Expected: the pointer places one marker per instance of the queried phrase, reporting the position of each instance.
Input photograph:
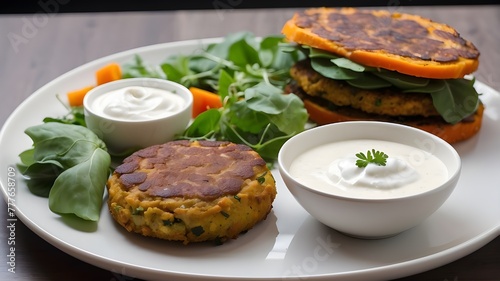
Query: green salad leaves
(249, 75)
(454, 99)
(68, 164)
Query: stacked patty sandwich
(376, 65)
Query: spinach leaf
(243, 117)
(328, 69)
(348, 64)
(67, 144)
(42, 176)
(139, 69)
(27, 158)
(267, 142)
(318, 53)
(221, 50)
(241, 53)
(176, 68)
(285, 111)
(268, 50)
(204, 125)
(434, 85)
(225, 83)
(454, 102)
(79, 190)
(402, 81)
(70, 165)
(368, 82)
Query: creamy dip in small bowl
(369, 179)
(135, 113)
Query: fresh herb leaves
(374, 157)
(75, 116)
(249, 75)
(69, 165)
(198, 230)
(139, 69)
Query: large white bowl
(362, 217)
(122, 136)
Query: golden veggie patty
(191, 191)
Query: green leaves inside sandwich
(454, 99)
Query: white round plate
(289, 243)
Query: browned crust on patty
(202, 169)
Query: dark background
(71, 6)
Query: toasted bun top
(406, 43)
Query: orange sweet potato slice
(406, 43)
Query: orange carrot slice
(204, 100)
(108, 73)
(75, 98)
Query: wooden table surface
(36, 48)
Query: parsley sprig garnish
(375, 157)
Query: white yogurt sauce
(331, 168)
(137, 103)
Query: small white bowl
(121, 135)
(370, 218)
